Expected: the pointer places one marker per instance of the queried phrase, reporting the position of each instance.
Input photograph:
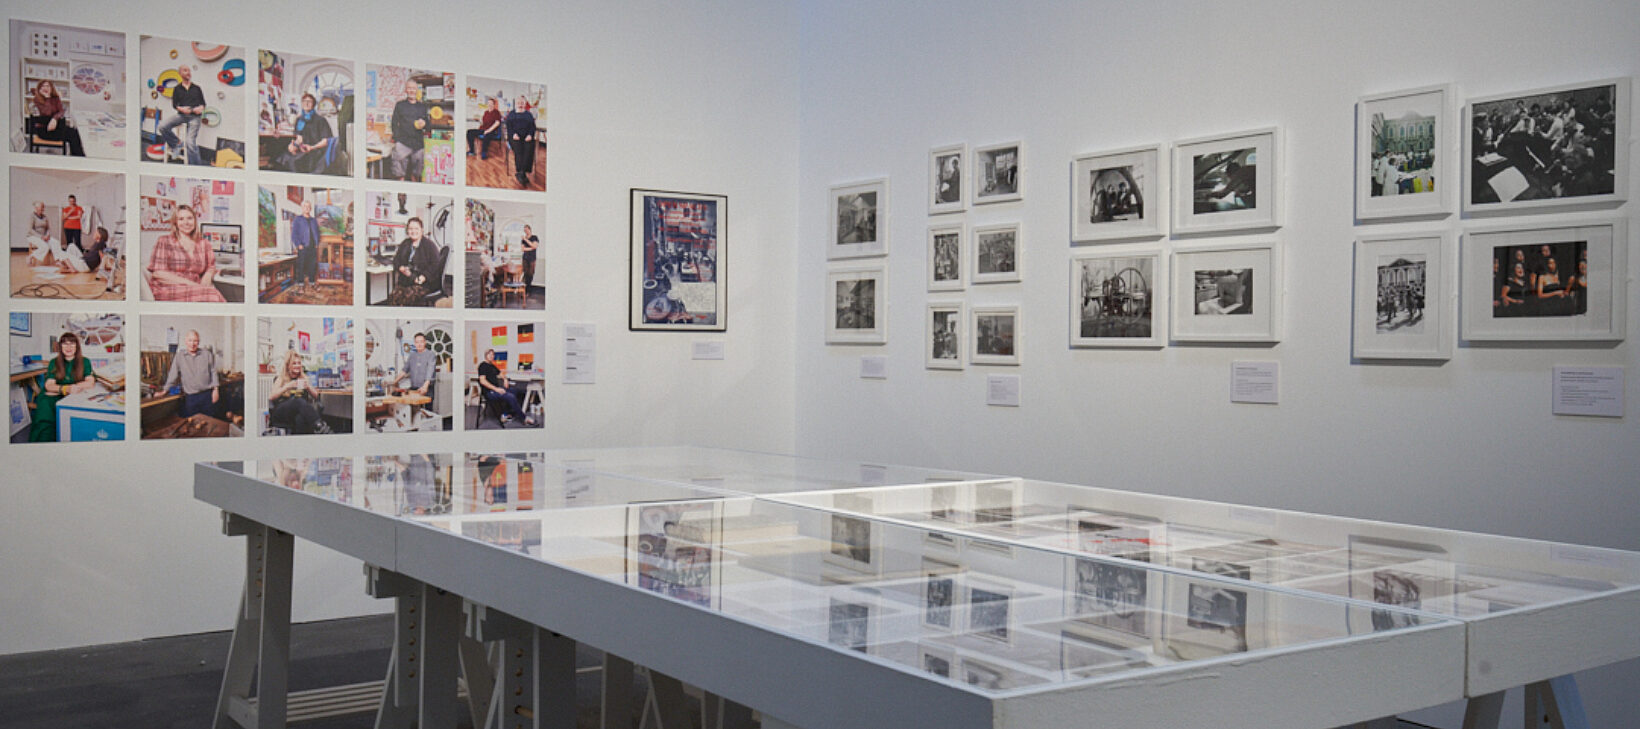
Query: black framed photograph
(1561, 146)
(1401, 154)
(859, 217)
(943, 347)
(1117, 299)
(1119, 194)
(1228, 182)
(946, 193)
(1546, 283)
(997, 173)
(946, 264)
(1402, 298)
(679, 244)
(859, 311)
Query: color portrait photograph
(67, 234)
(68, 90)
(193, 103)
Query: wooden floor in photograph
(497, 171)
(50, 283)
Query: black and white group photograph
(1118, 194)
(1561, 144)
(996, 173)
(1225, 181)
(1547, 280)
(996, 253)
(1114, 195)
(1224, 292)
(1115, 296)
(1401, 294)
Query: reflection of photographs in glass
(674, 550)
(1557, 144)
(1112, 595)
(942, 501)
(305, 245)
(197, 102)
(1401, 294)
(193, 376)
(1116, 296)
(849, 625)
(1212, 606)
(519, 535)
(71, 85)
(939, 593)
(304, 113)
(996, 253)
(1394, 588)
(944, 344)
(851, 538)
(984, 676)
(1225, 180)
(1543, 280)
(988, 612)
(1227, 291)
(67, 234)
(67, 377)
(996, 172)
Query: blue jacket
(304, 232)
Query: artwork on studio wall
(67, 234)
(305, 113)
(679, 246)
(1402, 167)
(1119, 194)
(193, 102)
(859, 214)
(68, 90)
(1227, 183)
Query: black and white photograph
(996, 253)
(1115, 195)
(1217, 608)
(858, 297)
(944, 344)
(1227, 293)
(988, 610)
(983, 675)
(945, 259)
(1401, 157)
(1223, 291)
(935, 663)
(850, 625)
(856, 211)
(996, 335)
(997, 172)
(1545, 283)
(945, 179)
(1109, 594)
(1401, 293)
(1390, 587)
(1566, 145)
(1400, 298)
(1114, 299)
(1226, 183)
(939, 593)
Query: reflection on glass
(330, 477)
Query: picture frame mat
(1439, 101)
(1265, 215)
(1434, 342)
(1606, 317)
(1158, 296)
(1262, 326)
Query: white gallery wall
(1465, 444)
(104, 542)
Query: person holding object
(294, 404)
(420, 367)
(496, 387)
(489, 127)
(304, 238)
(188, 100)
(194, 369)
(68, 373)
(521, 135)
(183, 265)
(50, 119)
(409, 127)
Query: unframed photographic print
(67, 234)
(305, 113)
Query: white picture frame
(1208, 307)
(1100, 210)
(947, 258)
(943, 342)
(995, 257)
(859, 305)
(859, 220)
(1118, 298)
(1403, 157)
(1597, 315)
(998, 173)
(1403, 302)
(947, 179)
(1214, 193)
(1496, 184)
(994, 333)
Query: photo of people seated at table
(192, 239)
(504, 255)
(67, 377)
(67, 234)
(68, 87)
(304, 113)
(305, 374)
(505, 387)
(1547, 280)
(409, 484)
(193, 376)
(193, 105)
(506, 134)
(304, 241)
(407, 239)
(1545, 146)
(410, 124)
(408, 375)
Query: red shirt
(491, 118)
(71, 217)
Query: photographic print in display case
(1562, 146)
(849, 624)
(1227, 293)
(1208, 617)
(998, 173)
(672, 549)
(1545, 283)
(996, 253)
(859, 296)
(1118, 298)
(946, 262)
(939, 592)
(1228, 182)
(859, 213)
(1401, 154)
(1118, 195)
(944, 344)
(996, 335)
(1402, 300)
(679, 244)
(990, 610)
(945, 179)
(856, 542)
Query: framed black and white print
(680, 242)
(998, 172)
(859, 305)
(942, 349)
(1118, 299)
(1545, 283)
(946, 262)
(1402, 157)
(1230, 182)
(1564, 146)
(1119, 195)
(1227, 293)
(996, 253)
(859, 220)
(1402, 299)
(995, 335)
(946, 179)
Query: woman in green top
(68, 373)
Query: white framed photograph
(998, 173)
(996, 253)
(1117, 195)
(1545, 283)
(1227, 293)
(1117, 299)
(945, 179)
(859, 296)
(1558, 147)
(1402, 308)
(946, 263)
(943, 348)
(1229, 182)
(995, 335)
(1401, 154)
(859, 216)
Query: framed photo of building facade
(1229, 182)
(1118, 299)
(942, 350)
(1227, 293)
(1561, 146)
(998, 172)
(1545, 283)
(858, 212)
(1401, 298)
(679, 242)
(996, 253)
(1118, 194)
(945, 179)
(946, 263)
(859, 313)
(995, 335)
(1402, 166)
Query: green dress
(44, 429)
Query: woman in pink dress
(183, 263)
